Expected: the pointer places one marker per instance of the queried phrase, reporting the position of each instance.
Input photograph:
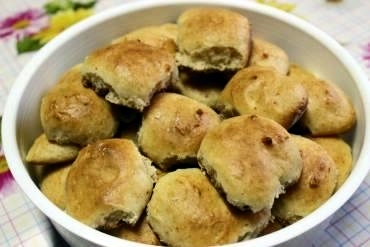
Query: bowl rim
(56, 215)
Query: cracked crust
(329, 110)
(173, 127)
(213, 39)
(251, 159)
(129, 73)
(264, 91)
(186, 210)
(73, 114)
(316, 184)
(109, 182)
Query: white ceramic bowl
(305, 45)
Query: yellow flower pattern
(287, 7)
(35, 27)
(3, 164)
(60, 21)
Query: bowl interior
(304, 44)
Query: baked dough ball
(44, 152)
(140, 232)
(53, 183)
(264, 91)
(298, 72)
(162, 36)
(315, 186)
(267, 54)
(173, 127)
(186, 210)
(129, 73)
(341, 153)
(213, 39)
(329, 111)
(251, 159)
(109, 182)
(203, 87)
(271, 227)
(73, 114)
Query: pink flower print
(7, 182)
(8, 185)
(366, 55)
(23, 24)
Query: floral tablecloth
(26, 25)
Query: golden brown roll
(173, 127)
(73, 114)
(213, 39)
(162, 36)
(53, 183)
(315, 186)
(298, 72)
(267, 54)
(186, 210)
(129, 73)
(203, 87)
(341, 153)
(264, 91)
(271, 227)
(251, 159)
(140, 232)
(44, 152)
(109, 182)
(329, 111)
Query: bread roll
(109, 182)
(53, 181)
(251, 159)
(271, 227)
(315, 186)
(129, 73)
(162, 36)
(329, 110)
(267, 54)
(203, 87)
(173, 127)
(186, 210)
(140, 232)
(341, 153)
(44, 152)
(264, 91)
(73, 114)
(213, 39)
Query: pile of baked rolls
(192, 133)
